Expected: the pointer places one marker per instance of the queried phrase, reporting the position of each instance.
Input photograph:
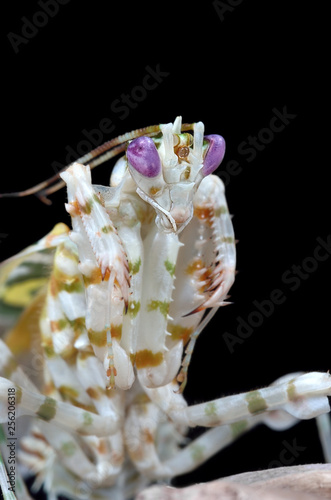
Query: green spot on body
(75, 285)
(87, 208)
(163, 307)
(98, 339)
(107, 229)
(220, 211)
(18, 395)
(68, 393)
(134, 266)
(49, 351)
(47, 410)
(197, 452)
(87, 418)
(227, 239)
(291, 391)
(78, 325)
(62, 324)
(97, 199)
(210, 409)
(133, 308)
(170, 267)
(256, 403)
(238, 428)
(68, 448)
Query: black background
(230, 72)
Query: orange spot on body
(154, 190)
(194, 268)
(102, 447)
(205, 214)
(93, 392)
(195, 265)
(49, 389)
(111, 371)
(94, 279)
(116, 331)
(147, 436)
(74, 208)
(146, 359)
(53, 286)
(106, 276)
(179, 332)
(55, 327)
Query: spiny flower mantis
(114, 306)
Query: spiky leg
(104, 266)
(205, 268)
(157, 365)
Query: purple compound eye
(143, 156)
(215, 153)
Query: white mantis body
(127, 290)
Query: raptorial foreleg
(104, 266)
(205, 269)
(156, 363)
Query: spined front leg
(157, 364)
(205, 269)
(214, 222)
(103, 264)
